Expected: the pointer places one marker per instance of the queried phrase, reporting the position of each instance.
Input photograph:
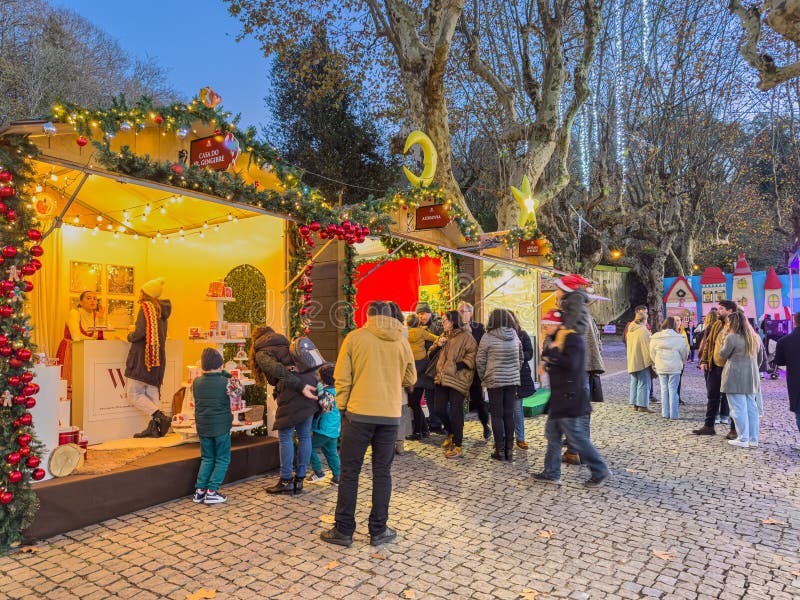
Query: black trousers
(414, 400)
(476, 398)
(717, 401)
(356, 438)
(430, 401)
(450, 409)
(502, 402)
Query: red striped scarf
(152, 345)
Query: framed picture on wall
(120, 313)
(85, 276)
(119, 280)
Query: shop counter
(100, 406)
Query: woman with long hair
(455, 354)
(740, 377)
(147, 357)
(669, 351)
(498, 363)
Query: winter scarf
(152, 346)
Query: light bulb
(172, 199)
(230, 217)
(99, 218)
(179, 199)
(163, 210)
(147, 209)
(116, 235)
(202, 235)
(76, 220)
(126, 215)
(158, 234)
(205, 225)
(166, 240)
(216, 227)
(152, 240)
(94, 231)
(110, 227)
(136, 236)
(38, 189)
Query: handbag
(433, 358)
(595, 388)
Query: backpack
(305, 355)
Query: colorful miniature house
(773, 298)
(712, 288)
(681, 301)
(743, 292)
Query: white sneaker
(724, 420)
(738, 443)
(316, 478)
(717, 421)
(752, 445)
(214, 498)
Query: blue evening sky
(195, 40)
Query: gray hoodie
(499, 358)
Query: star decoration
(526, 201)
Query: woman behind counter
(81, 324)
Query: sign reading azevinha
(433, 217)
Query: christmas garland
(349, 289)
(413, 198)
(20, 450)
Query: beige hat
(154, 287)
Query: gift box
(216, 289)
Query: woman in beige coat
(455, 368)
(639, 362)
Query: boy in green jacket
(212, 412)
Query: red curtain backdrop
(397, 280)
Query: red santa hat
(552, 317)
(570, 283)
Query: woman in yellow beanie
(147, 357)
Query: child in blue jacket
(325, 431)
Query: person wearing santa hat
(573, 300)
(147, 357)
(569, 408)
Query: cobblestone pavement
(474, 528)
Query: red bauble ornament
(26, 419)
(26, 377)
(27, 286)
(315, 226)
(34, 234)
(33, 462)
(307, 330)
(3, 339)
(6, 498)
(23, 439)
(347, 226)
(19, 399)
(37, 250)
(14, 363)
(176, 168)
(81, 141)
(11, 215)
(158, 119)
(6, 192)
(13, 458)
(3, 208)
(331, 228)
(6, 286)
(9, 251)
(30, 402)
(28, 270)
(36, 263)
(16, 424)
(25, 451)
(15, 477)
(24, 354)
(38, 474)
(303, 311)
(323, 235)
(29, 390)
(5, 176)
(5, 351)
(14, 380)
(304, 229)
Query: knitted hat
(552, 317)
(570, 283)
(154, 287)
(423, 307)
(210, 359)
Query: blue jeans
(577, 431)
(215, 456)
(519, 421)
(640, 388)
(744, 410)
(328, 446)
(286, 439)
(669, 394)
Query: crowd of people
(446, 363)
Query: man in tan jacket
(711, 363)
(374, 365)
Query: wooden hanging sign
(434, 216)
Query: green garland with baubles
(20, 450)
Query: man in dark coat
(788, 353)
(569, 408)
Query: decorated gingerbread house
(773, 298)
(681, 301)
(712, 288)
(743, 291)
